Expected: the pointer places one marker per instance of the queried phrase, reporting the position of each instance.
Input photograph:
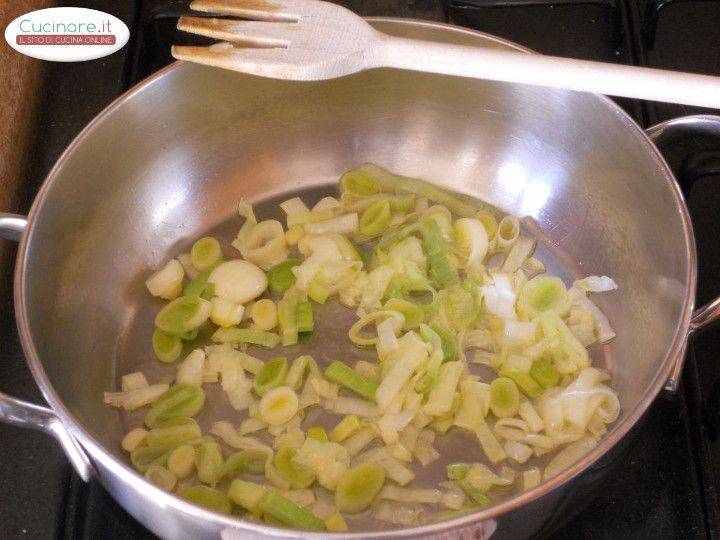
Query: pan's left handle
(24, 414)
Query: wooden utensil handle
(552, 71)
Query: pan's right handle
(659, 134)
(24, 414)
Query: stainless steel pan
(168, 160)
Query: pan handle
(22, 413)
(663, 132)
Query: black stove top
(666, 488)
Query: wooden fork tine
(261, 10)
(263, 62)
(251, 33)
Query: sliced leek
(429, 275)
(271, 375)
(178, 401)
(238, 281)
(134, 439)
(471, 240)
(167, 347)
(375, 219)
(181, 461)
(183, 315)
(504, 397)
(264, 314)
(280, 277)
(263, 244)
(226, 313)
(278, 405)
(346, 376)
(542, 294)
(360, 182)
(305, 319)
(296, 475)
(167, 282)
(173, 432)
(205, 253)
(508, 232)
(289, 513)
(207, 497)
(358, 487)
(161, 477)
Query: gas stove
(666, 487)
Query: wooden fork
(314, 40)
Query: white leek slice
(474, 404)
(397, 376)
(390, 424)
(569, 455)
(542, 294)
(326, 203)
(596, 284)
(517, 451)
(489, 443)
(374, 288)
(238, 281)
(305, 218)
(234, 382)
(514, 429)
(230, 436)
(368, 369)
(134, 439)
(226, 313)
(133, 381)
(508, 232)
(293, 438)
(531, 478)
(251, 425)
(396, 513)
(358, 337)
(190, 271)
(348, 405)
(355, 443)
(532, 267)
(518, 334)
(264, 244)
(294, 206)
(499, 298)
(519, 253)
(167, 282)
(190, 370)
(423, 451)
(426, 496)
(479, 338)
(471, 241)
(407, 250)
(605, 332)
(585, 333)
(530, 416)
(278, 405)
(481, 477)
(265, 314)
(387, 339)
(344, 224)
(442, 395)
(319, 251)
(134, 399)
(301, 497)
